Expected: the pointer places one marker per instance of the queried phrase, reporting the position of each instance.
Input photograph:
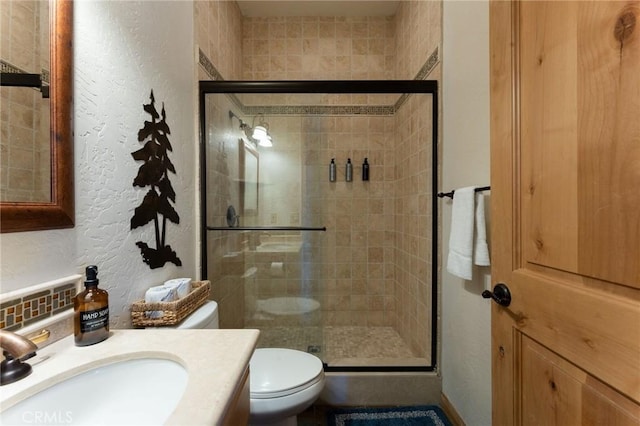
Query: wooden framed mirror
(59, 211)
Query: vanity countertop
(215, 361)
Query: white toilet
(283, 382)
(206, 316)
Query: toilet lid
(278, 372)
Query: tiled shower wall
(24, 122)
(358, 271)
(387, 278)
(318, 47)
(219, 36)
(418, 34)
(412, 223)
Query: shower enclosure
(346, 267)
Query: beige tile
(310, 28)
(322, 48)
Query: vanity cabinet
(238, 411)
(216, 363)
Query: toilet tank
(205, 317)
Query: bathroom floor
(316, 415)
(344, 345)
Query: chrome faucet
(15, 349)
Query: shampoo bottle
(365, 169)
(349, 171)
(91, 311)
(332, 170)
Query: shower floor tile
(344, 345)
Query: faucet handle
(15, 349)
(12, 370)
(40, 337)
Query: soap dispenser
(365, 169)
(91, 311)
(349, 171)
(332, 170)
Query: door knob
(501, 294)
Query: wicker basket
(172, 312)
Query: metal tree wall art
(154, 173)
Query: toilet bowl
(283, 382)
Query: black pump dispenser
(365, 169)
(91, 276)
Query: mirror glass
(36, 164)
(26, 156)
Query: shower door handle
(500, 294)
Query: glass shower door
(362, 292)
(262, 253)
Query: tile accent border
(215, 75)
(424, 72)
(7, 67)
(27, 306)
(208, 66)
(429, 65)
(12, 69)
(319, 110)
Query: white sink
(130, 392)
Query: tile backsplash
(21, 308)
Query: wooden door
(565, 177)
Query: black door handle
(501, 294)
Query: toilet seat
(277, 372)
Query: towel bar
(265, 228)
(450, 194)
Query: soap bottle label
(94, 320)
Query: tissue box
(172, 312)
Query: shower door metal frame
(336, 87)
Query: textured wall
(122, 50)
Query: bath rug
(422, 415)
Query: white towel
(481, 252)
(182, 286)
(460, 259)
(159, 293)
